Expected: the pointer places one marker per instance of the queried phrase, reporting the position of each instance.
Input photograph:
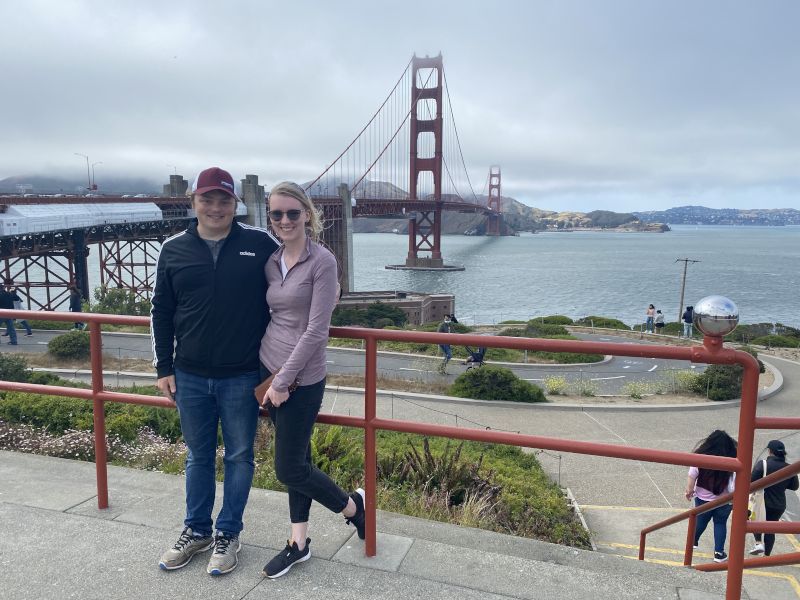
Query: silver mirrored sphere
(716, 315)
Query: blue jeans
(11, 331)
(720, 516)
(687, 330)
(445, 348)
(649, 325)
(203, 404)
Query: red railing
(711, 352)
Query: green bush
(495, 383)
(603, 322)
(119, 301)
(720, 382)
(551, 320)
(74, 344)
(776, 341)
(13, 368)
(367, 317)
(546, 330)
(58, 414)
(53, 325)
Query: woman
(706, 485)
(659, 321)
(649, 317)
(774, 495)
(302, 293)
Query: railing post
(741, 492)
(688, 552)
(642, 543)
(370, 450)
(98, 413)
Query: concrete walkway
(57, 544)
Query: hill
(701, 215)
(42, 184)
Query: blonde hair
(291, 189)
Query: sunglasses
(293, 214)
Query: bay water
(612, 274)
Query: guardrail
(711, 352)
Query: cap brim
(211, 188)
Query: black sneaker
(358, 519)
(286, 559)
(720, 557)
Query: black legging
(769, 538)
(294, 422)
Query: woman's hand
(689, 494)
(275, 397)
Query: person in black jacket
(7, 301)
(774, 495)
(75, 304)
(208, 317)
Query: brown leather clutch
(262, 387)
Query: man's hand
(166, 386)
(275, 397)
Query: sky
(617, 105)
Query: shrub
(54, 325)
(556, 385)
(367, 317)
(495, 383)
(545, 330)
(685, 381)
(74, 344)
(720, 382)
(13, 368)
(776, 341)
(586, 387)
(551, 320)
(604, 322)
(637, 389)
(119, 301)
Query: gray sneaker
(225, 556)
(185, 548)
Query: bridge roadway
(617, 497)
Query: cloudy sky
(617, 105)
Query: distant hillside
(57, 185)
(700, 215)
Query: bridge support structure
(494, 222)
(129, 265)
(425, 227)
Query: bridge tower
(494, 223)
(425, 227)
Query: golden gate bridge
(407, 161)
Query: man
(444, 327)
(208, 317)
(7, 301)
(18, 306)
(76, 305)
(688, 319)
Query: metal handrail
(710, 352)
(752, 526)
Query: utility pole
(685, 262)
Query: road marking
(329, 362)
(626, 367)
(533, 380)
(417, 370)
(606, 378)
(653, 369)
(633, 508)
(790, 579)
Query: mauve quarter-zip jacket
(216, 313)
(301, 306)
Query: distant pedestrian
(75, 301)
(444, 327)
(705, 485)
(774, 495)
(453, 319)
(649, 318)
(7, 301)
(688, 319)
(659, 322)
(18, 306)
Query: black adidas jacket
(217, 315)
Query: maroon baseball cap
(212, 179)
